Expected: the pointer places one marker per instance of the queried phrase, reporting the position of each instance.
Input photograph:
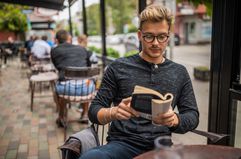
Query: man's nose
(155, 41)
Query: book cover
(149, 102)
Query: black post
(103, 32)
(84, 18)
(224, 47)
(70, 21)
(141, 7)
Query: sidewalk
(25, 134)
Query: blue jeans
(113, 150)
(73, 88)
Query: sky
(77, 6)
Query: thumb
(126, 100)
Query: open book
(149, 102)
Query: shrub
(129, 53)
(112, 53)
(94, 49)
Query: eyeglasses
(149, 38)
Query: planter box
(202, 73)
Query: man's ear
(139, 35)
(56, 41)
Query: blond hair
(156, 13)
(82, 40)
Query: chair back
(79, 78)
(76, 73)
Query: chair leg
(65, 121)
(52, 84)
(32, 86)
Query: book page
(144, 90)
(149, 102)
(162, 106)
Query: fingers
(126, 101)
(124, 110)
(165, 119)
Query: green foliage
(132, 28)
(122, 13)
(12, 19)
(202, 68)
(112, 53)
(94, 49)
(93, 19)
(130, 53)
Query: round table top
(202, 152)
(44, 77)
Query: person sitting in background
(41, 49)
(64, 55)
(83, 42)
(28, 46)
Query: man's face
(154, 39)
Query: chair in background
(42, 74)
(75, 75)
(40, 78)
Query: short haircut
(82, 37)
(44, 37)
(62, 36)
(156, 13)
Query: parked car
(131, 42)
(177, 39)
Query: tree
(12, 19)
(207, 3)
(93, 19)
(122, 13)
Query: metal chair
(40, 78)
(75, 75)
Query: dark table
(202, 152)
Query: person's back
(40, 49)
(65, 55)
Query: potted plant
(202, 73)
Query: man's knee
(94, 154)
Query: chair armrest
(213, 137)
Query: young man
(129, 134)
(63, 55)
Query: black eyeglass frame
(154, 37)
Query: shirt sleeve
(105, 94)
(187, 107)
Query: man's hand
(124, 111)
(169, 118)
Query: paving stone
(22, 155)
(44, 154)
(13, 145)
(11, 154)
(33, 151)
(43, 146)
(3, 150)
(23, 148)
